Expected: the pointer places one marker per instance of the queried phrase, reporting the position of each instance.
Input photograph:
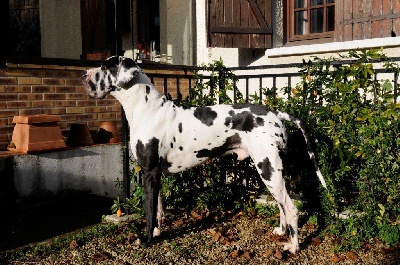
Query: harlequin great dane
(167, 138)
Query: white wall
(60, 27)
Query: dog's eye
(103, 67)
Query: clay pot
(108, 133)
(36, 133)
(79, 135)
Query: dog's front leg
(151, 184)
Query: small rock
(100, 256)
(335, 258)
(315, 241)
(258, 232)
(216, 236)
(234, 254)
(267, 253)
(73, 244)
(246, 255)
(352, 256)
(278, 255)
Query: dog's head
(114, 74)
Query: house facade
(46, 44)
(192, 32)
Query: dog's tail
(300, 125)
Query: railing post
(125, 130)
(396, 79)
(260, 98)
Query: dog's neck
(133, 97)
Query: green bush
(354, 120)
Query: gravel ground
(194, 239)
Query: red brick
(8, 113)
(72, 110)
(73, 82)
(18, 104)
(8, 81)
(53, 81)
(65, 103)
(85, 103)
(3, 122)
(96, 109)
(65, 74)
(30, 96)
(30, 112)
(54, 96)
(106, 116)
(69, 117)
(76, 96)
(86, 117)
(3, 104)
(8, 96)
(114, 109)
(65, 89)
(29, 81)
(18, 89)
(54, 111)
(6, 129)
(43, 89)
(42, 104)
(105, 102)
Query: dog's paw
(279, 231)
(156, 232)
(292, 248)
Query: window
(311, 19)
(24, 28)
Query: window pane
(317, 20)
(330, 1)
(300, 22)
(330, 19)
(317, 2)
(298, 3)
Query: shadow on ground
(38, 219)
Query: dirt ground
(186, 238)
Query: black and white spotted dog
(167, 138)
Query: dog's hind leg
(271, 174)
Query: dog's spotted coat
(167, 138)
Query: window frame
(325, 36)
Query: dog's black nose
(84, 74)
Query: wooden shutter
(366, 19)
(239, 23)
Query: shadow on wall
(249, 56)
(8, 192)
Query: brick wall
(58, 90)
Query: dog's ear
(127, 70)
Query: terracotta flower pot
(36, 133)
(79, 135)
(108, 133)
